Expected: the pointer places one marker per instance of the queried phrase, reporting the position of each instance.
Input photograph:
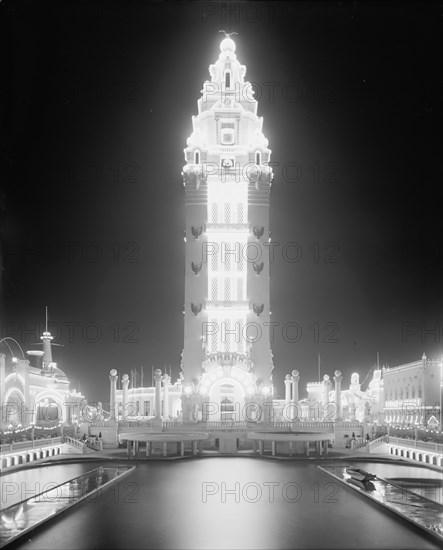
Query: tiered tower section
(227, 180)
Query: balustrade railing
(359, 444)
(31, 444)
(423, 445)
(74, 442)
(377, 442)
(226, 424)
(171, 424)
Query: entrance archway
(225, 389)
(48, 410)
(227, 398)
(15, 408)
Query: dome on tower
(227, 45)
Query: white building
(36, 392)
(412, 392)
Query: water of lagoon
(223, 503)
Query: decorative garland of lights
(18, 431)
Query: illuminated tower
(227, 357)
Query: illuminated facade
(412, 392)
(35, 392)
(227, 358)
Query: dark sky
(97, 105)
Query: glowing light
(266, 390)
(187, 390)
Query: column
(165, 448)
(166, 384)
(148, 447)
(112, 394)
(295, 380)
(129, 445)
(182, 448)
(2, 386)
(125, 383)
(352, 412)
(273, 447)
(326, 386)
(337, 380)
(288, 383)
(2, 378)
(158, 399)
(26, 415)
(194, 447)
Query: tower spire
(46, 339)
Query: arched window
(196, 157)
(228, 79)
(419, 392)
(258, 158)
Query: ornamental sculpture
(258, 267)
(196, 308)
(258, 309)
(196, 268)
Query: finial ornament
(227, 44)
(228, 34)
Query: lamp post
(441, 389)
(15, 341)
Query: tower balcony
(239, 228)
(218, 305)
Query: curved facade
(36, 392)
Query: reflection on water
(228, 503)
(426, 483)
(19, 485)
(426, 513)
(26, 515)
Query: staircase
(73, 446)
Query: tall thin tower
(227, 359)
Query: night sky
(97, 105)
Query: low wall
(342, 430)
(109, 435)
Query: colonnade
(292, 399)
